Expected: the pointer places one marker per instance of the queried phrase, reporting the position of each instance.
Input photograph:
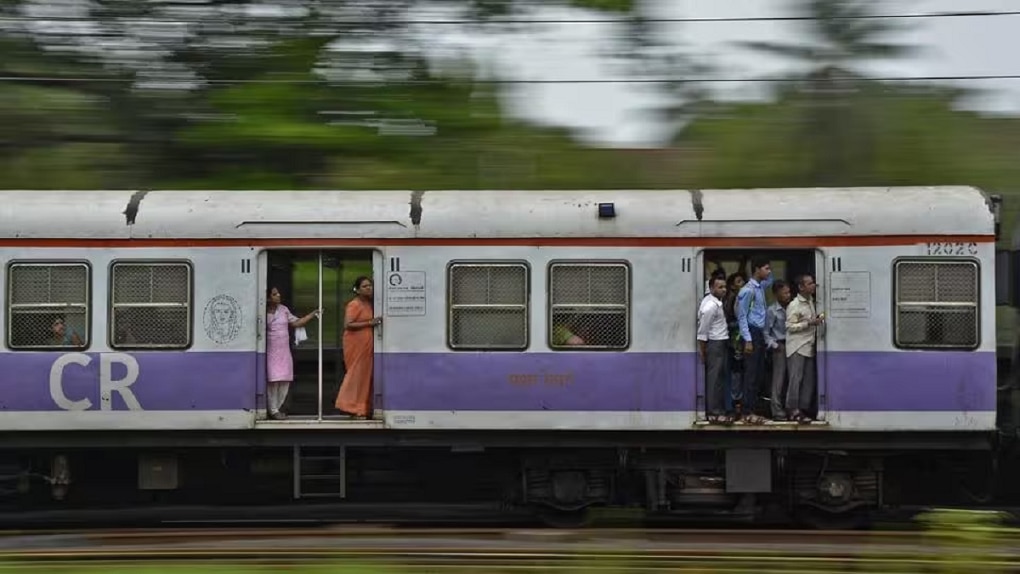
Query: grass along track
(494, 547)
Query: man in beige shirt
(801, 329)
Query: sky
(611, 114)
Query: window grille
(48, 305)
(151, 305)
(937, 304)
(589, 306)
(488, 306)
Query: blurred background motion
(483, 94)
(513, 94)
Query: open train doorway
(787, 265)
(308, 280)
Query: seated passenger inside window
(564, 335)
(63, 336)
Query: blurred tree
(55, 126)
(919, 139)
(835, 133)
(238, 93)
(651, 49)
(843, 36)
(241, 93)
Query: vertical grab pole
(318, 324)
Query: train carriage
(165, 291)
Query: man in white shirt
(713, 343)
(801, 329)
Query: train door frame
(813, 256)
(822, 272)
(700, 400)
(262, 279)
(320, 255)
(378, 271)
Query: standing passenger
(719, 273)
(355, 396)
(713, 344)
(279, 362)
(751, 317)
(801, 328)
(775, 339)
(735, 358)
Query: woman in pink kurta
(355, 396)
(279, 363)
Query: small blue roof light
(607, 210)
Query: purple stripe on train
(890, 381)
(539, 381)
(911, 381)
(162, 381)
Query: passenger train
(153, 390)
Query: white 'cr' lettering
(57, 383)
(107, 385)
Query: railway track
(144, 536)
(408, 515)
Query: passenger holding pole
(355, 396)
(279, 362)
(801, 329)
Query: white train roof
(168, 214)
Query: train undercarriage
(563, 485)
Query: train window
(48, 305)
(488, 306)
(150, 305)
(589, 305)
(937, 304)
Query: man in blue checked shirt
(751, 308)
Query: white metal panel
(274, 214)
(220, 291)
(845, 421)
(874, 331)
(126, 420)
(64, 214)
(663, 305)
(496, 214)
(844, 211)
(476, 420)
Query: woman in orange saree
(355, 396)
